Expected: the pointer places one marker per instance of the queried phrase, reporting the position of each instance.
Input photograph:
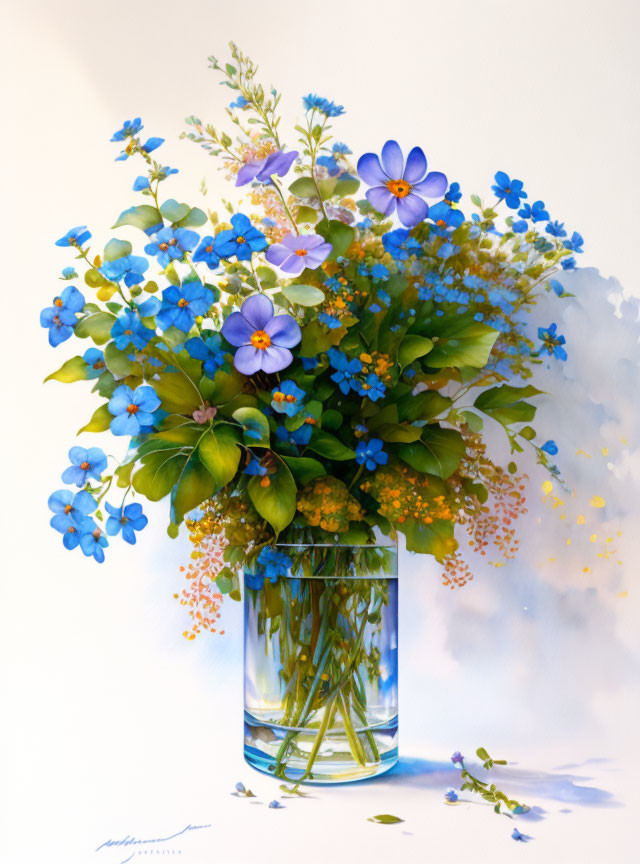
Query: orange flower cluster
(403, 493)
(326, 502)
(378, 363)
(201, 597)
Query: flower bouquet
(303, 381)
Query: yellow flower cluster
(403, 493)
(378, 363)
(326, 502)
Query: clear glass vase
(321, 664)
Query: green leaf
(473, 421)
(176, 394)
(304, 468)
(303, 187)
(528, 433)
(346, 187)
(338, 234)
(434, 539)
(159, 473)
(117, 249)
(194, 219)
(413, 347)
(505, 403)
(74, 369)
(316, 338)
(276, 502)
(255, 425)
(303, 295)
(219, 452)
(307, 215)
(100, 421)
(267, 276)
(438, 452)
(482, 754)
(227, 580)
(118, 362)
(144, 216)
(172, 211)
(422, 406)
(123, 473)
(467, 344)
(195, 486)
(97, 327)
(395, 432)
(329, 446)
(331, 420)
(223, 388)
(386, 819)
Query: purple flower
(396, 185)
(297, 252)
(458, 758)
(264, 169)
(263, 341)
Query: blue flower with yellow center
(133, 409)
(128, 330)
(85, 464)
(287, 398)
(171, 244)
(242, 240)
(127, 519)
(370, 454)
(509, 190)
(552, 341)
(181, 304)
(62, 317)
(70, 514)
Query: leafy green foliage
(275, 502)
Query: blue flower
(524, 838)
(568, 263)
(85, 464)
(550, 447)
(558, 287)
(346, 369)
(140, 183)
(240, 102)
(242, 240)
(375, 308)
(453, 194)
(75, 237)
(181, 304)
(309, 363)
(128, 330)
(274, 563)
(379, 271)
(451, 796)
(171, 244)
(300, 436)
(129, 129)
(127, 519)
(152, 144)
(329, 321)
(383, 296)
(71, 512)
(132, 409)
(287, 398)
(556, 229)
(131, 267)
(69, 273)
(372, 387)
(552, 342)
(94, 358)
(61, 317)
(400, 245)
(254, 468)
(312, 102)
(330, 162)
(275, 805)
(207, 348)
(535, 211)
(458, 759)
(370, 454)
(93, 541)
(510, 190)
(575, 244)
(206, 252)
(520, 226)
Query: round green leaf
(303, 295)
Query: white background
(116, 725)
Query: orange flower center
(68, 509)
(96, 534)
(128, 332)
(278, 396)
(441, 223)
(173, 241)
(58, 302)
(132, 409)
(85, 466)
(164, 246)
(290, 398)
(240, 239)
(71, 530)
(399, 188)
(301, 252)
(182, 302)
(208, 249)
(260, 340)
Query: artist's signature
(135, 846)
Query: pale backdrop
(116, 725)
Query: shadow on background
(527, 786)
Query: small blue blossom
(550, 447)
(207, 348)
(535, 212)
(69, 273)
(254, 468)
(129, 267)
(383, 296)
(453, 194)
(127, 519)
(517, 835)
(331, 162)
(242, 240)
(240, 102)
(299, 437)
(400, 245)
(85, 464)
(557, 287)
(375, 308)
(75, 237)
(206, 253)
(312, 102)
(309, 363)
(458, 759)
(379, 271)
(451, 796)
(520, 226)
(128, 330)
(129, 129)
(94, 358)
(140, 183)
(181, 304)
(152, 144)
(346, 369)
(329, 321)
(61, 317)
(552, 342)
(92, 541)
(556, 229)
(287, 398)
(275, 805)
(372, 387)
(370, 454)
(132, 409)
(575, 244)
(568, 263)
(510, 190)
(171, 244)
(274, 563)
(70, 514)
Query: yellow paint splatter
(586, 569)
(580, 520)
(568, 541)
(593, 538)
(597, 501)
(583, 453)
(547, 487)
(623, 594)
(605, 451)
(625, 442)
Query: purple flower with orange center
(401, 186)
(297, 252)
(264, 169)
(262, 339)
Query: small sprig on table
(489, 791)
